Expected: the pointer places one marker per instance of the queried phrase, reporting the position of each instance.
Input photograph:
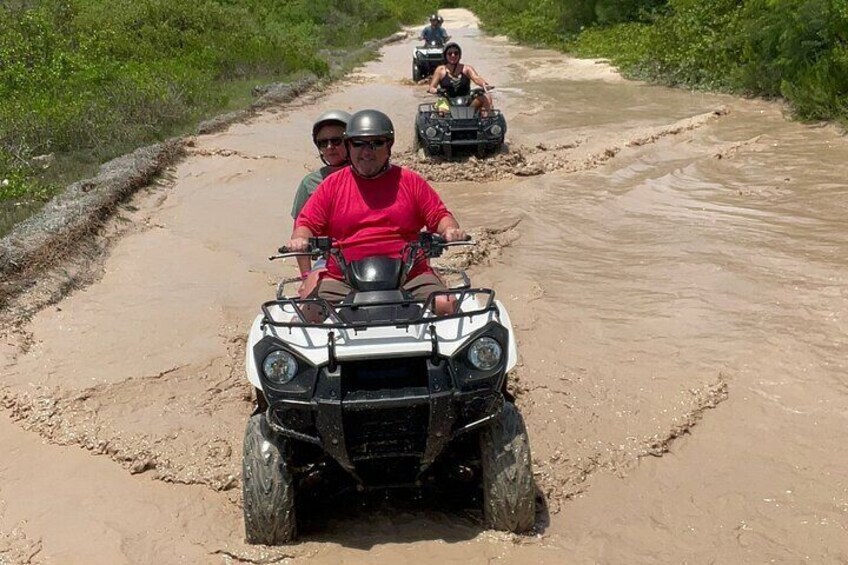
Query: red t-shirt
(370, 217)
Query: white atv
(382, 388)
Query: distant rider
(328, 136)
(455, 79)
(435, 32)
(374, 208)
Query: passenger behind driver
(455, 78)
(435, 32)
(328, 136)
(374, 208)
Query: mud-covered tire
(416, 72)
(416, 140)
(267, 486)
(509, 496)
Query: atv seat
(395, 306)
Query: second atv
(450, 125)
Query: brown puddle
(674, 265)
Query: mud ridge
(561, 478)
(17, 549)
(490, 243)
(706, 398)
(60, 231)
(192, 149)
(522, 161)
(123, 421)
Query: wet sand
(675, 268)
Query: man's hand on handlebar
(298, 245)
(455, 234)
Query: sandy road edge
(67, 227)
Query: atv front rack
(319, 313)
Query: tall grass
(89, 79)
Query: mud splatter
(192, 149)
(139, 423)
(522, 161)
(17, 549)
(490, 243)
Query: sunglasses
(372, 145)
(449, 53)
(334, 141)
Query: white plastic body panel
(377, 342)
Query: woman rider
(455, 79)
(328, 136)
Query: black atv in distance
(452, 124)
(425, 59)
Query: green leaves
(100, 76)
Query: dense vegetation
(85, 80)
(795, 49)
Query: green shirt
(307, 187)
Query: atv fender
(253, 338)
(512, 348)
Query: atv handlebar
(432, 244)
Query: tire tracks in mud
(124, 420)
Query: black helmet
(435, 18)
(451, 45)
(367, 123)
(338, 117)
(440, 19)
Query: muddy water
(674, 265)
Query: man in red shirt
(374, 208)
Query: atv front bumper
(360, 425)
(440, 134)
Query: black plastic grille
(386, 433)
(384, 374)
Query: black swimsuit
(453, 87)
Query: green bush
(97, 77)
(796, 49)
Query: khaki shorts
(420, 287)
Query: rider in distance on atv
(426, 58)
(462, 116)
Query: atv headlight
(496, 129)
(279, 366)
(431, 132)
(485, 354)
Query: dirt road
(675, 265)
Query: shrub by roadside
(795, 49)
(87, 80)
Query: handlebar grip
(283, 249)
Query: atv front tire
(509, 498)
(416, 73)
(268, 490)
